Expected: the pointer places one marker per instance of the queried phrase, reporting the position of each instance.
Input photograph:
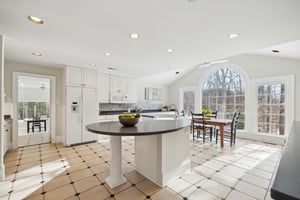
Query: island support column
(116, 177)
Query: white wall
(2, 168)
(150, 83)
(256, 67)
(11, 67)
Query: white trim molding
(2, 167)
(15, 105)
(288, 81)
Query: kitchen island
(161, 149)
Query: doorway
(188, 100)
(33, 109)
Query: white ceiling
(286, 50)
(79, 32)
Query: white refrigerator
(81, 109)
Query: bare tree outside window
(224, 91)
(271, 108)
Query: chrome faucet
(176, 111)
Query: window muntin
(224, 90)
(271, 108)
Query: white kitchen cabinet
(131, 90)
(123, 90)
(81, 77)
(103, 88)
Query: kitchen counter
(148, 127)
(287, 180)
(161, 149)
(117, 112)
(161, 115)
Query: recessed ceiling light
(107, 54)
(35, 20)
(170, 50)
(134, 36)
(36, 54)
(233, 36)
(177, 72)
(275, 51)
(92, 65)
(111, 68)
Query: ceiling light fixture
(233, 36)
(92, 65)
(170, 50)
(134, 36)
(275, 51)
(177, 72)
(207, 64)
(107, 54)
(36, 54)
(111, 68)
(35, 20)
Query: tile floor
(52, 171)
(33, 139)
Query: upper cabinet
(81, 77)
(116, 89)
(103, 88)
(123, 89)
(131, 90)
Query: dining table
(221, 123)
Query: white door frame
(196, 92)
(15, 105)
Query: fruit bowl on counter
(128, 120)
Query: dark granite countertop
(287, 181)
(148, 127)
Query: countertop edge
(127, 133)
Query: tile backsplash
(125, 106)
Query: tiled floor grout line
(86, 151)
(240, 179)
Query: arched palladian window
(224, 90)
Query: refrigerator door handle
(81, 108)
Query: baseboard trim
(262, 138)
(58, 139)
(2, 173)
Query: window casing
(224, 90)
(271, 108)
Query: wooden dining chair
(230, 132)
(198, 125)
(214, 115)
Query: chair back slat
(214, 114)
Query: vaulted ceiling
(80, 32)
